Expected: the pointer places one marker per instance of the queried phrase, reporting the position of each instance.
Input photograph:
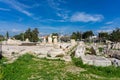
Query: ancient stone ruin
(51, 49)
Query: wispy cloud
(63, 15)
(67, 29)
(14, 30)
(48, 28)
(110, 22)
(109, 31)
(108, 28)
(11, 27)
(4, 9)
(85, 17)
(15, 4)
(56, 5)
(110, 25)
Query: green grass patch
(28, 67)
(108, 72)
(100, 49)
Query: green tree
(103, 36)
(19, 36)
(32, 35)
(65, 38)
(79, 35)
(55, 34)
(1, 37)
(76, 35)
(115, 35)
(7, 35)
(35, 34)
(28, 34)
(87, 34)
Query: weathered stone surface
(27, 40)
(80, 51)
(56, 53)
(115, 62)
(87, 60)
(67, 58)
(50, 39)
(115, 46)
(102, 62)
(64, 45)
(113, 53)
(12, 52)
(109, 46)
(73, 42)
(96, 60)
(55, 39)
(13, 42)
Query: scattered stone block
(56, 53)
(87, 60)
(96, 60)
(55, 39)
(80, 51)
(73, 42)
(115, 62)
(67, 58)
(27, 40)
(13, 42)
(102, 62)
(50, 39)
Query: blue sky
(62, 16)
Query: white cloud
(12, 26)
(103, 30)
(109, 22)
(67, 29)
(110, 25)
(84, 17)
(64, 16)
(56, 5)
(16, 30)
(18, 6)
(48, 28)
(4, 9)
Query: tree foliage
(35, 35)
(65, 38)
(7, 35)
(103, 36)
(87, 34)
(55, 34)
(115, 35)
(19, 36)
(32, 35)
(76, 35)
(1, 38)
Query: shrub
(100, 49)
